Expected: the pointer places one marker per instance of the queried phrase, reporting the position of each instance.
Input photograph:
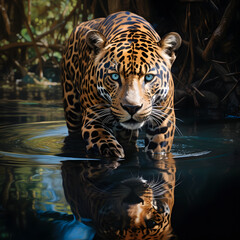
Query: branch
(222, 27)
(227, 78)
(103, 7)
(37, 38)
(230, 91)
(5, 17)
(51, 30)
(29, 12)
(58, 47)
(68, 17)
(192, 64)
(35, 46)
(205, 76)
(201, 94)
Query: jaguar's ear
(95, 40)
(170, 43)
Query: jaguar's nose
(131, 109)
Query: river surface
(47, 189)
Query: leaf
(25, 34)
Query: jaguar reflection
(122, 200)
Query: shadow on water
(50, 188)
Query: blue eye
(149, 77)
(115, 76)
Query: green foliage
(58, 56)
(25, 35)
(58, 18)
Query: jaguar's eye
(148, 77)
(115, 76)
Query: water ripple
(43, 143)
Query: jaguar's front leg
(100, 139)
(159, 138)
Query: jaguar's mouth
(132, 124)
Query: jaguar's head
(141, 211)
(133, 74)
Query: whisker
(95, 118)
(99, 105)
(108, 119)
(154, 106)
(159, 114)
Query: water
(48, 183)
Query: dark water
(48, 183)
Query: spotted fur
(120, 203)
(116, 71)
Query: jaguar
(121, 201)
(116, 76)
